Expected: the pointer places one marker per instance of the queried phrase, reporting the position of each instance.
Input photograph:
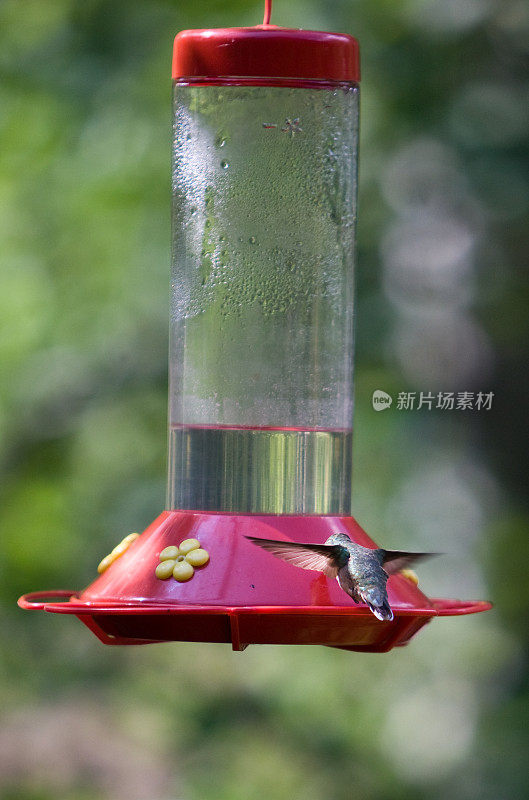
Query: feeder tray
(243, 595)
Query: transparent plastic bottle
(261, 344)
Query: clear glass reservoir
(261, 342)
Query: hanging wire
(268, 12)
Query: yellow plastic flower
(180, 562)
(410, 575)
(118, 551)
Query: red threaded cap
(264, 52)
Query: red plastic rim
(456, 608)
(37, 601)
(44, 601)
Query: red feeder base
(243, 595)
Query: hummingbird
(361, 572)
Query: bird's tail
(383, 612)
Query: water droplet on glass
(224, 164)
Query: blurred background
(85, 132)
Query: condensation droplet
(224, 164)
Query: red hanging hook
(267, 12)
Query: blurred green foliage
(84, 230)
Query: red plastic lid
(264, 52)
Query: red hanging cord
(268, 12)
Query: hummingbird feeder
(264, 176)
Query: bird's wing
(395, 560)
(321, 557)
